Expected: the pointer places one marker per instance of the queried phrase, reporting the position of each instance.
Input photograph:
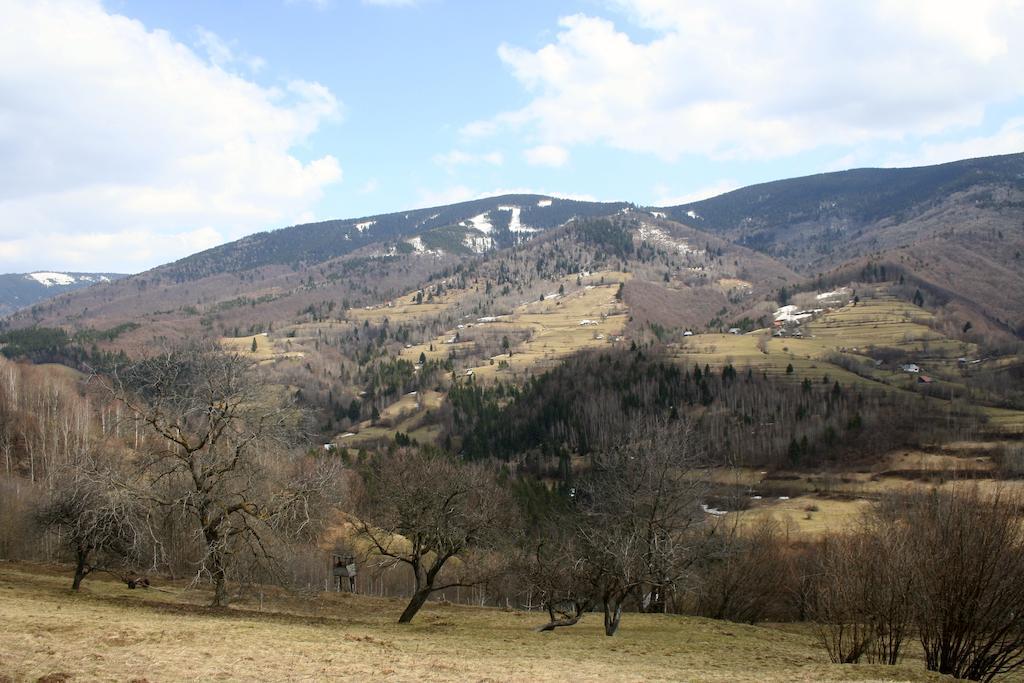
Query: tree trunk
(568, 620)
(80, 570)
(417, 601)
(220, 584)
(612, 615)
(218, 570)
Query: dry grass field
(882, 322)
(811, 504)
(850, 330)
(404, 415)
(108, 633)
(554, 327)
(267, 348)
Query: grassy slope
(554, 327)
(883, 322)
(110, 633)
(810, 503)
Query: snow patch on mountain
(418, 247)
(543, 202)
(481, 222)
(515, 224)
(793, 314)
(841, 293)
(364, 226)
(47, 279)
(655, 235)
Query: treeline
(744, 417)
(55, 345)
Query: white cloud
(664, 197)
(759, 80)
(1009, 139)
(77, 252)
(223, 55)
(454, 158)
(122, 148)
(546, 155)
(480, 129)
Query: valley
(441, 340)
(803, 368)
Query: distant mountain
(457, 229)
(958, 227)
(827, 218)
(956, 231)
(20, 290)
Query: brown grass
(110, 633)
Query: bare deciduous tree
(219, 448)
(556, 568)
(97, 518)
(424, 509)
(633, 522)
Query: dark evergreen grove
(741, 416)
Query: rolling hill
(508, 287)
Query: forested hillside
(305, 245)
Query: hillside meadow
(110, 633)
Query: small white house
(910, 367)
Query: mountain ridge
(21, 290)
(323, 240)
(926, 222)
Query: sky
(134, 132)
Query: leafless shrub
(946, 565)
(743, 574)
(968, 552)
(839, 607)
